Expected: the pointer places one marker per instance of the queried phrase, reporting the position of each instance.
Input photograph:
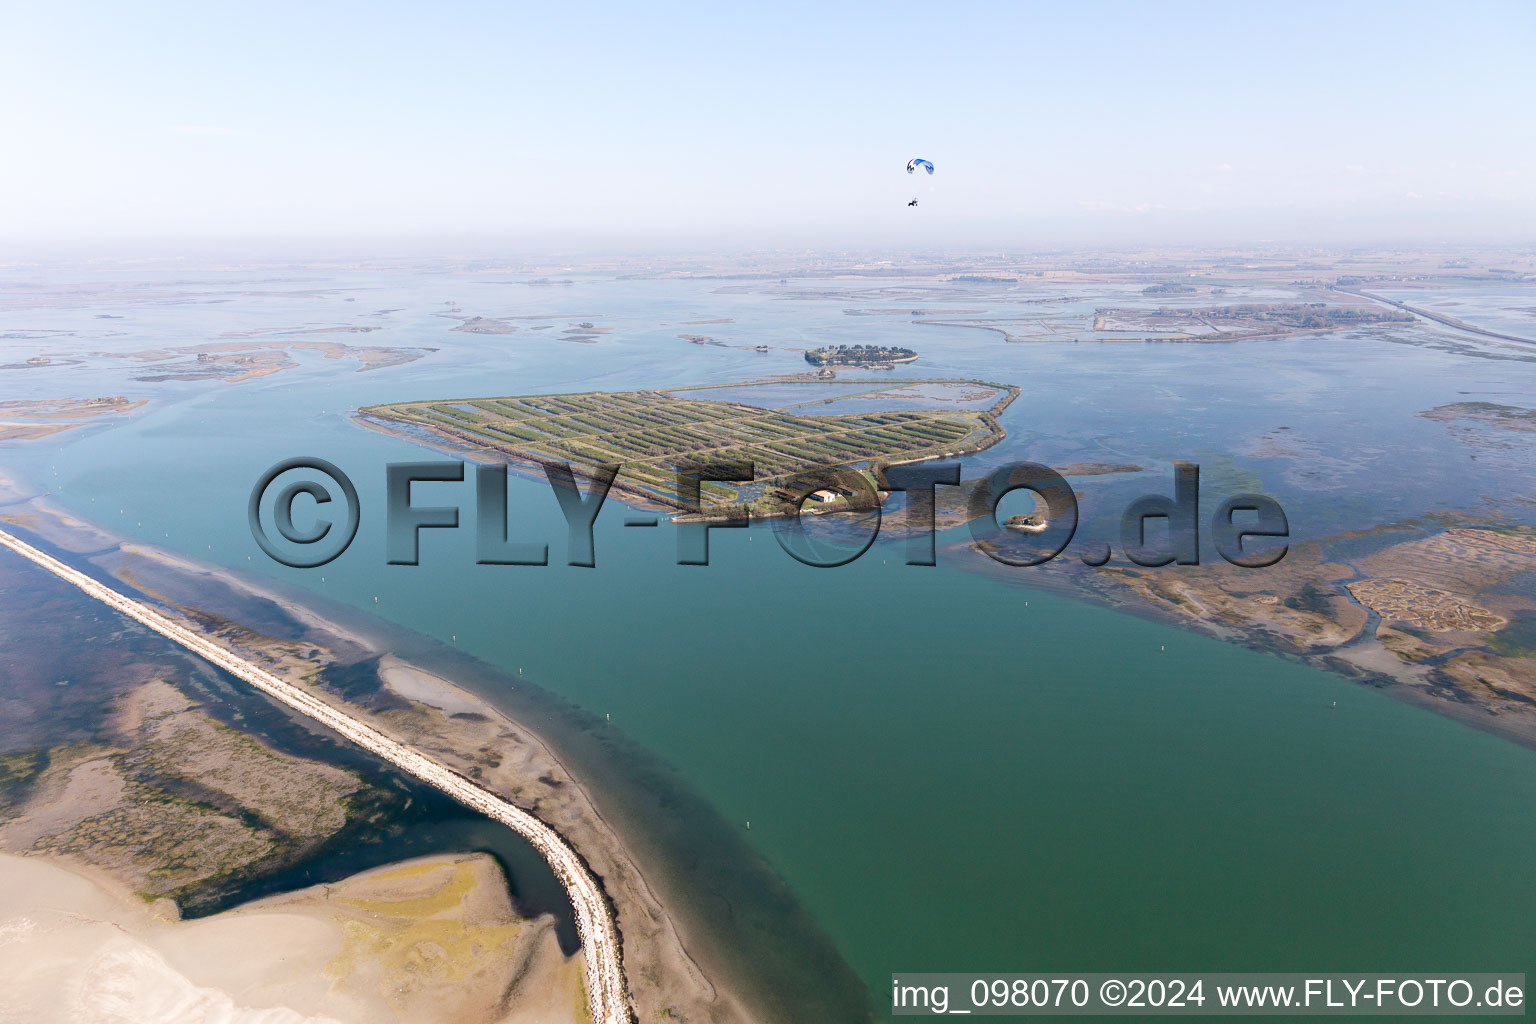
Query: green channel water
(946, 778)
(952, 781)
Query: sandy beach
(453, 726)
(434, 939)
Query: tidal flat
(181, 809)
(1182, 738)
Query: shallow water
(945, 779)
(68, 658)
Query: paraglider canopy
(916, 162)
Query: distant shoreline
(1439, 318)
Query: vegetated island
(952, 505)
(1098, 468)
(651, 433)
(482, 325)
(1436, 610)
(1234, 323)
(235, 361)
(1492, 414)
(27, 421)
(870, 357)
(36, 362)
(1212, 324)
(1032, 522)
(1439, 617)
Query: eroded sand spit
(604, 972)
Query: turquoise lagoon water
(945, 778)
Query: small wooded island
(873, 356)
(1030, 523)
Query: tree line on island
(859, 355)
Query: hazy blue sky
(1049, 123)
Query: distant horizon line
(459, 246)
